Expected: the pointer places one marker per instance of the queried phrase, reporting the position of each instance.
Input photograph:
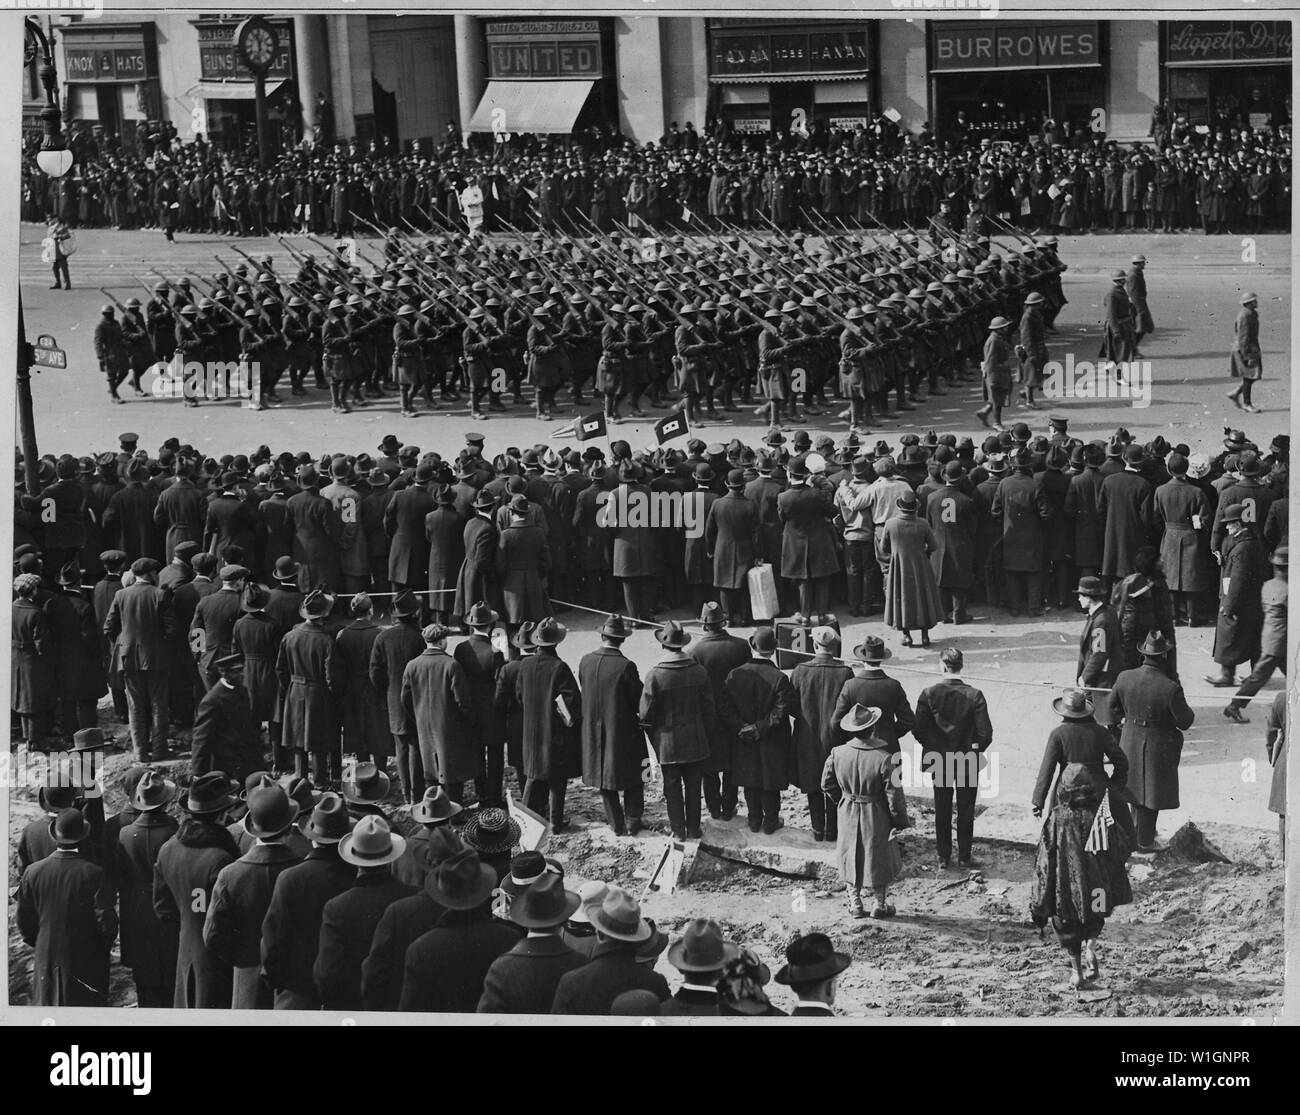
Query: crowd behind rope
(1228, 178)
(229, 610)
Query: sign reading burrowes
(540, 49)
(969, 45)
(218, 57)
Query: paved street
(1195, 284)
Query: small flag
(892, 114)
(687, 215)
(671, 426)
(591, 425)
(1099, 835)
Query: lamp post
(55, 160)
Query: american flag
(1099, 835)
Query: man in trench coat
(859, 777)
(437, 700)
(1154, 714)
(760, 704)
(613, 744)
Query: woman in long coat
(911, 591)
(1074, 888)
(818, 681)
(871, 805)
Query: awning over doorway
(548, 107)
(230, 91)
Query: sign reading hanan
(522, 50)
(750, 53)
(1246, 41)
(987, 46)
(219, 59)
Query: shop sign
(523, 50)
(978, 46)
(94, 63)
(1252, 40)
(748, 53)
(751, 126)
(218, 58)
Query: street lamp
(54, 159)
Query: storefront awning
(229, 91)
(548, 107)
(781, 79)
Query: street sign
(47, 354)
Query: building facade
(404, 81)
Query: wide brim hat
(859, 718)
(1075, 705)
(307, 824)
(483, 833)
(616, 627)
(708, 934)
(89, 739)
(480, 892)
(153, 791)
(216, 805)
(348, 853)
(481, 615)
(375, 790)
(673, 635)
(618, 930)
(829, 964)
(549, 633)
(522, 915)
(435, 806)
(859, 652)
(1155, 644)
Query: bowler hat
(702, 948)
(69, 828)
(371, 843)
(811, 959)
(1074, 704)
(329, 821)
(269, 811)
(286, 569)
(461, 882)
(1232, 514)
(435, 807)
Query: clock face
(258, 46)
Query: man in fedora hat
(1240, 621)
(433, 812)
(613, 742)
(1100, 644)
(872, 687)
(760, 704)
(149, 946)
(365, 789)
(480, 662)
(394, 648)
(349, 920)
(212, 626)
(523, 561)
(139, 625)
(438, 702)
(730, 539)
(256, 639)
(1272, 639)
(477, 579)
(551, 707)
(1182, 509)
(66, 915)
(523, 980)
(953, 726)
(613, 968)
(860, 778)
(678, 714)
(807, 544)
(810, 970)
(404, 922)
(307, 669)
(291, 929)
(1125, 507)
(818, 682)
(700, 956)
(185, 873)
(226, 738)
(719, 652)
(445, 968)
(242, 892)
(79, 662)
(1153, 714)
(365, 732)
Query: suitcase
(794, 641)
(762, 592)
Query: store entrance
(1012, 106)
(790, 102)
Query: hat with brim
(544, 904)
(371, 843)
(270, 811)
(88, 739)
(328, 822)
(210, 793)
(480, 615)
(673, 636)
(872, 649)
(153, 791)
(549, 633)
(859, 718)
(367, 786)
(616, 627)
(523, 638)
(702, 948)
(1155, 645)
(435, 807)
(619, 917)
(491, 831)
(1074, 704)
(811, 959)
(461, 882)
(69, 828)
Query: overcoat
(1023, 510)
(523, 980)
(1125, 507)
(954, 522)
(818, 682)
(678, 711)
(308, 671)
(731, 538)
(393, 648)
(870, 804)
(761, 696)
(365, 715)
(1155, 714)
(149, 946)
(437, 700)
(613, 742)
(551, 749)
(348, 924)
(257, 636)
(1240, 619)
(719, 652)
(911, 590)
(807, 540)
(408, 552)
(522, 562)
(1184, 549)
(291, 928)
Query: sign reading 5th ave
(979, 46)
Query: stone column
(471, 66)
(311, 65)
